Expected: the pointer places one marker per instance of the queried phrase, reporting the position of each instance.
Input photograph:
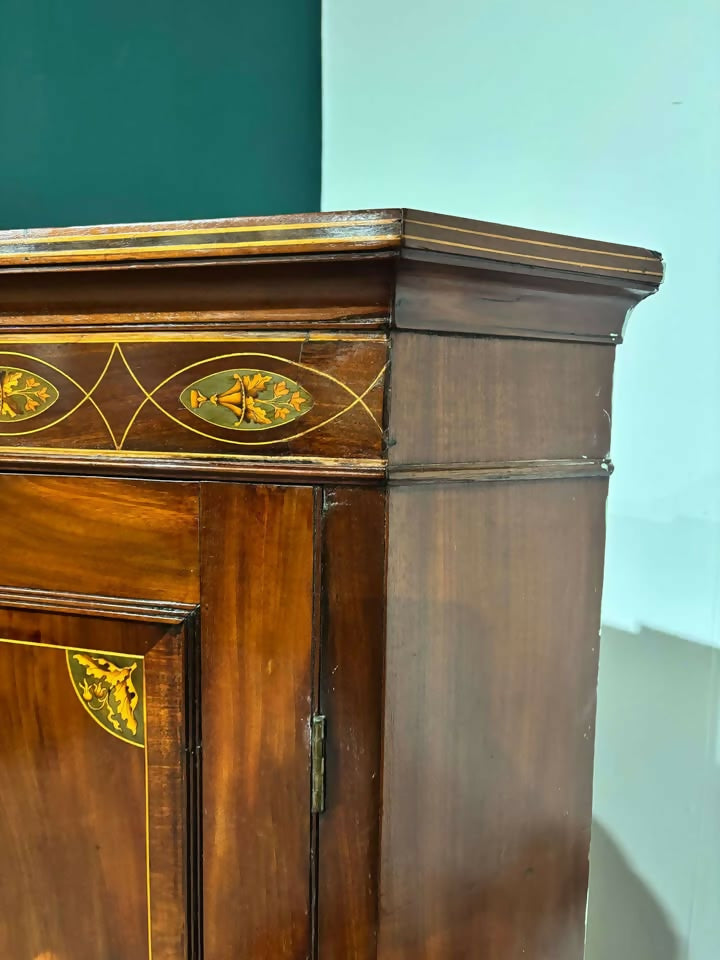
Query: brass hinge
(317, 752)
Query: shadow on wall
(656, 796)
(625, 921)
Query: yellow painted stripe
(31, 239)
(220, 336)
(60, 646)
(122, 252)
(174, 455)
(538, 243)
(530, 256)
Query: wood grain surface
(492, 637)
(496, 242)
(257, 610)
(124, 395)
(173, 856)
(427, 571)
(236, 237)
(498, 400)
(74, 877)
(352, 292)
(443, 294)
(326, 233)
(113, 537)
(351, 695)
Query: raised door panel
(120, 538)
(98, 767)
(93, 788)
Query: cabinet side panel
(493, 617)
(257, 618)
(457, 400)
(351, 696)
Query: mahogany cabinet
(302, 548)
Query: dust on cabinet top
(409, 233)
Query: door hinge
(317, 752)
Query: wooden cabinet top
(349, 345)
(355, 231)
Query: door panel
(122, 538)
(105, 683)
(92, 792)
(257, 608)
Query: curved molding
(90, 605)
(509, 470)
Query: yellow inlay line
(221, 336)
(60, 646)
(141, 658)
(245, 228)
(230, 457)
(86, 395)
(173, 247)
(247, 443)
(530, 256)
(539, 243)
(149, 396)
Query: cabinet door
(155, 700)
(97, 773)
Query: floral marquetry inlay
(112, 394)
(24, 395)
(110, 687)
(246, 399)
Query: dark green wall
(124, 110)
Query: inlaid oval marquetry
(110, 687)
(246, 399)
(24, 395)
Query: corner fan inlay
(246, 399)
(110, 687)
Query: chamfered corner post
(498, 466)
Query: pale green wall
(599, 120)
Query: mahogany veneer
(303, 537)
